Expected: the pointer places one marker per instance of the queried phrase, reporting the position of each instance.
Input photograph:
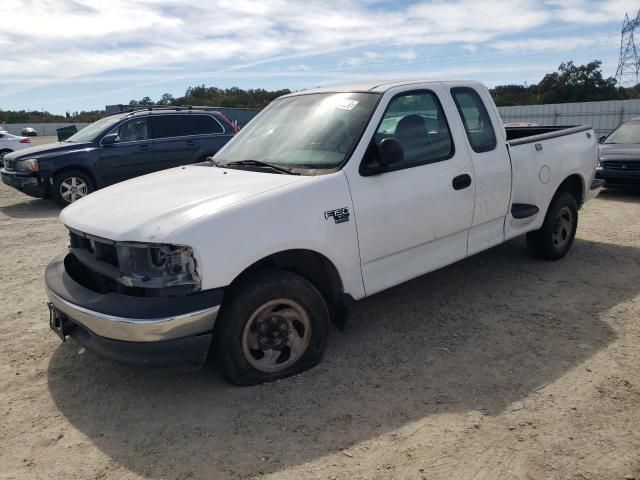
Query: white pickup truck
(327, 196)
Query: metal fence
(603, 116)
(43, 129)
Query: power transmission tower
(628, 71)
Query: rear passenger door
(210, 134)
(174, 142)
(488, 149)
(415, 216)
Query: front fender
(295, 217)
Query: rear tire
(555, 237)
(71, 185)
(274, 324)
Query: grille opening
(101, 284)
(622, 165)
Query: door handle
(144, 147)
(461, 181)
(190, 142)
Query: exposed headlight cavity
(158, 266)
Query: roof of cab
(377, 86)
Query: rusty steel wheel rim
(562, 228)
(276, 335)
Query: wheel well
(573, 185)
(79, 169)
(313, 266)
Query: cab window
(475, 118)
(417, 121)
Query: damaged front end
(131, 268)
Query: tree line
(570, 83)
(35, 116)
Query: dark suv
(116, 148)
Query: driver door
(130, 156)
(415, 216)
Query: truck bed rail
(523, 135)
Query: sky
(68, 55)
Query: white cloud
(56, 41)
(555, 44)
(583, 11)
(376, 58)
(299, 68)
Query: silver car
(619, 161)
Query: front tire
(555, 237)
(71, 185)
(274, 324)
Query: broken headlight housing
(157, 266)
(135, 267)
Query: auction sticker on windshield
(347, 104)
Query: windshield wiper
(258, 163)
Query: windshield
(626, 133)
(91, 132)
(313, 131)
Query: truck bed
(541, 158)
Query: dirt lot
(497, 367)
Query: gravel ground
(499, 366)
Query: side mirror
(601, 139)
(390, 151)
(110, 139)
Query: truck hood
(151, 207)
(48, 149)
(620, 151)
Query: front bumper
(618, 176)
(595, 188)
(35, 186)
(150, 331)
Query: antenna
(628, 71)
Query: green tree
(166, 99)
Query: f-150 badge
(339, 215)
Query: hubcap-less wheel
(73, 188)
(562, 228)
(276, 335)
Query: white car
(10, 143)
(326, 197)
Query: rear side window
(205, 124)
(476, 119)
(167, 126)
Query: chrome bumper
(134, 329)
